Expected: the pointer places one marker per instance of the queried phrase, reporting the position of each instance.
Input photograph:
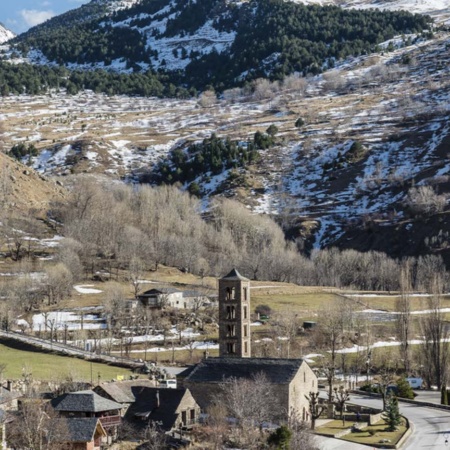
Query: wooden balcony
(110, 421)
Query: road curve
(431, 426)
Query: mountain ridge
(213, 42)
(5, 34)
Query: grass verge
(52, 367)
(371, 435)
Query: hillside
(346, 173)
(23, 190)
(5, 34)
(438, 9)
(212, 42)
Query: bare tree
(154, 437)
(248, 400)
(136, 271)
(334, 320)
(404, 322)
(315, 410)
(58, 283)
(207, 99)
(216, 428)
(301, 438)
(37, 427)
(424, 201)
(340, 398)
(435, 350)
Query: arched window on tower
(231, 330)
(229, 293)
(231, 348)
(231, 312)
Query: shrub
(263, 310)
(423, 201)
(272, 130)
(21, 150)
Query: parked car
(415, 383)
(171, 384)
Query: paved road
(431, 426)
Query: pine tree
(391, 414)
(280, 438)
(404, 389)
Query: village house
(171, 409)
(160, 298)
(291, 379)
(8, 402)
(123, 392)
(84, 404)
(84, 433)
(173, 298)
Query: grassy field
(48, 366)
(305, 303)
(370, 435)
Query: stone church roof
(234, 275)
(216, 370)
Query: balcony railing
(110, 421)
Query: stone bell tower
(234, 316)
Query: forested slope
(180, 43)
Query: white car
(171, 384)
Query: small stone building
(84, 433)
(160, 298)
(84, 404)
(172, 409)
(123, 392)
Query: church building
(292, 379)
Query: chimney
(157, 398)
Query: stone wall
(304, 382)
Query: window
(231, 348)
(231, 312)
(231, 330)
(245, 347)
(245, 312)
(192, 415)
(229, 293)
(183, 417)
(245, 294)
(245, 331)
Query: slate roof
(189, 294)
(7, 396)
(234, 275)
(83, 401)
(216, 370)
(124, 391)
(82, 429)
(159, 291)
(146, 407)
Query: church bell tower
(234, 316)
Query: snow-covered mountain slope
(5, 34)
(395, 105)
(212, 42)
(438, 9)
